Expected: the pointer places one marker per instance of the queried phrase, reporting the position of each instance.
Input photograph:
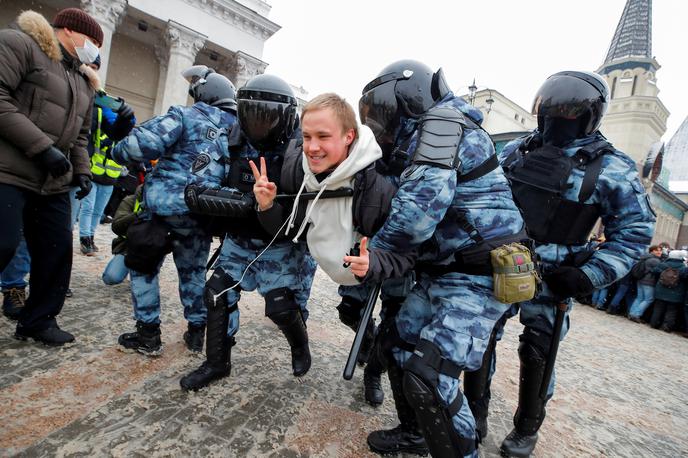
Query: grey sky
(511, 46)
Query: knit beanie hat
(79, 21)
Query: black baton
(344, 192)
(360, 332)
(553, 348)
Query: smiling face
(325, 143)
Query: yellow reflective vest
(101, 163)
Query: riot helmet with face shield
(267, 111)
(209, 87)
(570, 105)
(402, 90)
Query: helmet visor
(195, 73)
(378, 110)
(567, 97)
(265, 123)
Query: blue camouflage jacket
(625, 211)
(424, 211)
(191, 146)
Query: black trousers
(46, 221)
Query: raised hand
(359, 264)
(264, 189)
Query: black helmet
(570, 105)
(210, 87)
(404, 89)
(267, 111)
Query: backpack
(639, 270)
(669, 278)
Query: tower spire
(632, 41)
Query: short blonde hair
(340, 107)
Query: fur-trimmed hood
(38, 28)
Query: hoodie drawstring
(304, 223)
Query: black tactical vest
(539, 180)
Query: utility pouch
(149, 240)
(514, 273)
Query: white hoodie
(332, 234)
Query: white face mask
(88, 53)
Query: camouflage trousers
(190, 250)
(456, 312)
(283, 265)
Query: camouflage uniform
(628, 221)
(452, 312)
(190, 144)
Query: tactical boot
(518, 445)
(145, 340)
(405, 438)
(293, 327)
(194, 337)
(218, 346)
(86, 248)
(13, 302)
(372, 384)
(93, 244)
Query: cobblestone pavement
(621, 392)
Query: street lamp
(473, 90)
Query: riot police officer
(250, 259)
(564, 176)
(453, 206)
(190, 144)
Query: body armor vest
(539, 180)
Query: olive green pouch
(515, 273)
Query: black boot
(530, 413)
(85, 246)
(217, 348)
(295, 331)
(13, 302)
(93, 244)
(405, 438)
(372, 379)
(194, 336)
(145, 340)
(476, 386)
(518, 445)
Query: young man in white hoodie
(337, 154)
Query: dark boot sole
(197, 388)
(47, 344)
(151, 353)
(408, 451)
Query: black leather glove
(568, 281)
(54, 161)
(125, 112)
(84, 184)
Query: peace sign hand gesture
(264, 190)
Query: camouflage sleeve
(628, 220)
(508, 149)
(425, 193)
(151, 139)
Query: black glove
(54, 161)
(84, 184)
(568, 282)
(125, 112)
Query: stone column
(162, 54)
(183, 44)
(247, 67)
(109, 14)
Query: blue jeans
(14, 275)
(646, 294)
(115, 272)
(75, 205)
(92, 208)
(598, 297)
(621, 291)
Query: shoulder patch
(212, 133)
(201, 162)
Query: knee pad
(421, 378)
(218, 282)
(388, 338)
(281, 306)
(534, 346)
(350, 311)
